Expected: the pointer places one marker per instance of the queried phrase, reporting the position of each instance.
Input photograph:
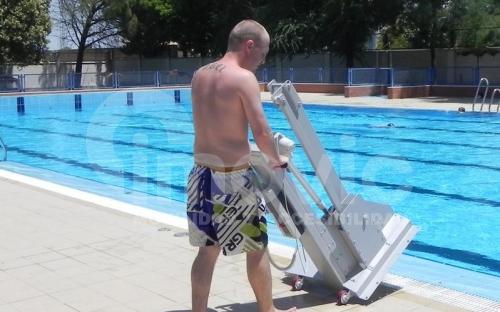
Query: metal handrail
(4, 147)
(493, 98)
(477, 92)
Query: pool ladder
(4, 148)
(493, 98)
(487, 86)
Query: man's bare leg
(201, 276)
(259, 275)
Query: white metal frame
(355, 242)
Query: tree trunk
(432, 43)
(79, 65)
(433, 55)
(349, 59)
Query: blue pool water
(440, 169)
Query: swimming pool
(440, 169)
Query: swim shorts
(225, 209)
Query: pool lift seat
(4, 149)
(351, 245)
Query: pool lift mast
(354, 243)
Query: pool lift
(355, 242)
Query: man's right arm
(252, 105)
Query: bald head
(246, 30)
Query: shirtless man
(224, 210)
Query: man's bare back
(221, 126)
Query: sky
(54, 41)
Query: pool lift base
(352, 245)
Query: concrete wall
(108, 60)
(356, 91)
(408, 92)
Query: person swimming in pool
(389, 125)
(225, 211)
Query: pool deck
(61, 254)
(433, 103)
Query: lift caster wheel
(297, 282)
(343, 296)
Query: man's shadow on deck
(312, 295)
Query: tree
(224, 16)
(346, 25)
(192, 25)
(426, 24)
(476, 23)
(145, 25)
(293, 25)
(202, 27)
(23, 38)
(86, 23)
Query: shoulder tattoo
(216, 67)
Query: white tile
(14, 290)
(82, 236)
(156, 304)
(8, 308)
(100, 260)
(117, 308)
(83, 299)
(125, 270)
(57, 242)
(5, 276)
(51, 282)
(121, 291)
(27, 272)
(13, 263)
(64, 264)
(33, 250)
(44, 257)
(43, 303)
(239, 295)
(155, 282)
(76, 250)
(90, 277)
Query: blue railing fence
(11, 83)
(411, 76)
(303, 74)
(370, 76)
(92, 80)
(394, 76)
(456, 76)
(398, 76)
(71, 81)
(490, 72)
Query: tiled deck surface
(435, 103)
(59, 254)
